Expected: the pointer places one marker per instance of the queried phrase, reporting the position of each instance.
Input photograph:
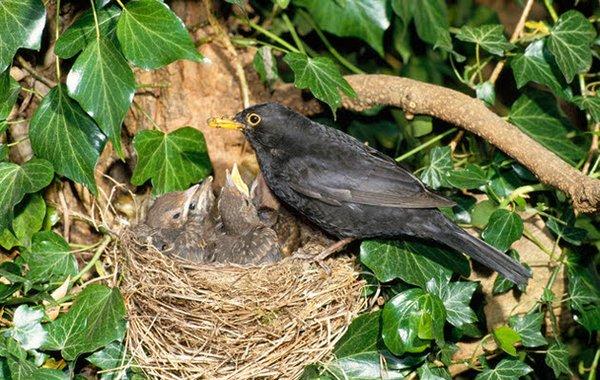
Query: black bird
(349, 189)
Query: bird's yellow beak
(222, 122)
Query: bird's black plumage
(352, 190)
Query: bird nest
(191, 320)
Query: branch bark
(472, 115)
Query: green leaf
(21, 26)
(16, 181)
(365, 19)
(152, 36)
(362, 336)
(482, 212)
(590, 104)
(321, 76)
(507, 369)
(9, 92)
(411, 319)
(26, 328)
(489, 37)
(61, 132)
(433, 373)
(504, 228)
(83, 31)
(567, 232)
(49, 258)
(501, 283)
(529, 329)
(485, 91)
(431, 21)
(265, 65)
(173, 161)
(536, 65)
(557, 358)
(412, 262)
(96, 318)
(569, 42)
(369, 366)
(456, 297)
(471, 177)
(29, 217)
(103, 84)
(589, 318)
(506, 339)
(20, 369)
(582, 291)
(440, 164)
(111, 356)
(537, 115)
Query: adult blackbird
(349, 189)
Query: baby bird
(245, 239)
(171, 210)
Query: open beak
(222, 122)
(189, 197)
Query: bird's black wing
(371, 179)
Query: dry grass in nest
(229, 322)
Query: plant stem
(103, 244)
(120, 4)
(57, 32)
(551, 10)
(95, 20)
(594, 367)
(292, 30)
(272, 36)
(17, 142)
(147, 116)
(478, 63)
(347, 64)
(520, 191)
(425, 145)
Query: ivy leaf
(557, 358)
(83, 31)
(364, 19)
(502, 284)
(529, 329)
(49, 258)
(411, 319)
(103, 84)
(590, 104)
(321, 76)
(96, 318)
(362, 335)
(173, 161)
(9, 92)
(152, 36)
(110, 357)
(504, 228)
(537, 115)
(265, 65)
(16, 181)
(589, 318)
(440, 165)
(426, 372)
(582, 291)
(21, 26)
(29, 217)
(485, 91)
(536, 65)
(61, 132)
(569, 233)
(507, 369)
(431, 21)
(471, 177)
(412, 262)
(506, 338)
(26, 328)
(456, 297)
(489, 37)
(569, 42)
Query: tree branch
(472, 115)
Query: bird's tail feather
(457, 238)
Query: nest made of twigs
(190, 320)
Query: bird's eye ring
(177, 215)
(253, 119)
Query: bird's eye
(163, 247)
(253, 119)
(192, 206)
(177, 215)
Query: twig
(104, 243)
(34, 73)
(515, 36)
(472, 115)
(239, 70)
(425, 145)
